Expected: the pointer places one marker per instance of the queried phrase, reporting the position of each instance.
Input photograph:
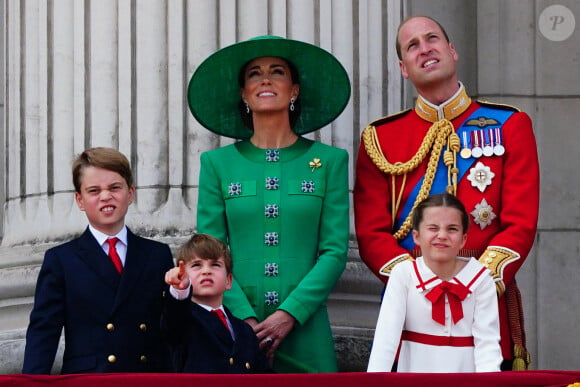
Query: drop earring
(247, 107)
(292, 104)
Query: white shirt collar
(102, 237)
(209, 308)
(430, 280)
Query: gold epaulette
(498, 105)
(388, 267)
(496, 258)
(388, 118)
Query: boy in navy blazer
(204, 336)
(107, 295)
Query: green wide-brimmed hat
(214, 92)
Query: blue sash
(440, 180)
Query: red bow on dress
(455, 293)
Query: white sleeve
(391, 321)
(179, 294)
(487, 351)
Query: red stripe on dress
(476, 277)
(421, 283)
(441, 341)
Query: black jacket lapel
(212, 324)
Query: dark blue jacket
(200, 343)
(111, 322)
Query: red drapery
(496, 379)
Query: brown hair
(398, 44)
(105, 158)
(440, 200)
(204, 246)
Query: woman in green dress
(279, 200)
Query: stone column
(114, 73)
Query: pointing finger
(181, 270)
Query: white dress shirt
(121, 245)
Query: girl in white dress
(441, 309)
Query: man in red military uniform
(483, 153)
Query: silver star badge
(483, 214)
(480, 176)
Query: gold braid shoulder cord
(440, 133)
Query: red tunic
(513, 196)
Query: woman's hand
(273, 330)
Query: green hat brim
(213, 93)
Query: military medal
(476, 151)
(483, 214)
(498, 149)
(480, 176)
(465, 152)
(488, 147)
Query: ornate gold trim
(441, 133)
(522, 359)
(387, 267)
(450, 109)
(496, 258)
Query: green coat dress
(285, 215)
